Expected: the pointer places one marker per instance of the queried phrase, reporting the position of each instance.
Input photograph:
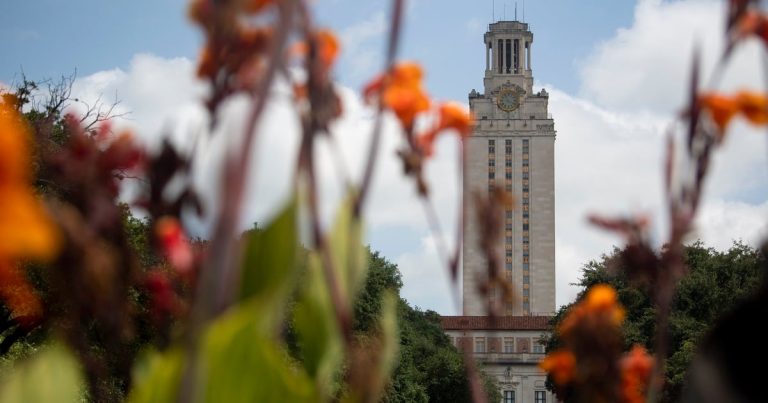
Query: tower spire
(515, 11)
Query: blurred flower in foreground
(452, 115)
(599, 308)
(722, 108)
(25, 229)
(636, 368)
(401, 91)
(589, 365)
(561, 365)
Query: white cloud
(721, 223)
(647, 66)
(426, 281)
(362, 46)
(158, 94)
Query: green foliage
(269, 267)
(138, 231)
(243, 364)
(717, 281)
(429, 367)
(156, 376)
(382, 276)
(50, 375)
(318, 334)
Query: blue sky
(47, 38)
(616, 72)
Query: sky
(616, 72)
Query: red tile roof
(495, 323)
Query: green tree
(428, 368)
(716, 283)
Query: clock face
(508, 99)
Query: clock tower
(511, 148)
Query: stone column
(528, 56)
(487, 55)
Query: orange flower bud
(754, 106)
(454, 116)
(328, 47)
(561, 365)
(401, 91)
(721, 108)
(636, 368)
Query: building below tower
(509, 349)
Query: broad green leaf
(156, 377)
(51, 375)
(348, 253)
(242, 365)
(269, 261)
(318, 333)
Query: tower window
(517, 56)
(508, 52)
(500, 51)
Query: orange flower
(601, 303)
(401, 91)
(25, 230)
(754, 106)
(14, 163)
(721, 108)
(561, 364)
(327, 47)
(454, 116)
(451, 116)
(602, 298)
(636, 367)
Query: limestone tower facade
(512, 147)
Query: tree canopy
(717, 281)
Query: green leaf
(242, 365)
(389, 334)
(318, 333)
(156, 377)
(51, 375)
(349, 256)
(269, 261)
